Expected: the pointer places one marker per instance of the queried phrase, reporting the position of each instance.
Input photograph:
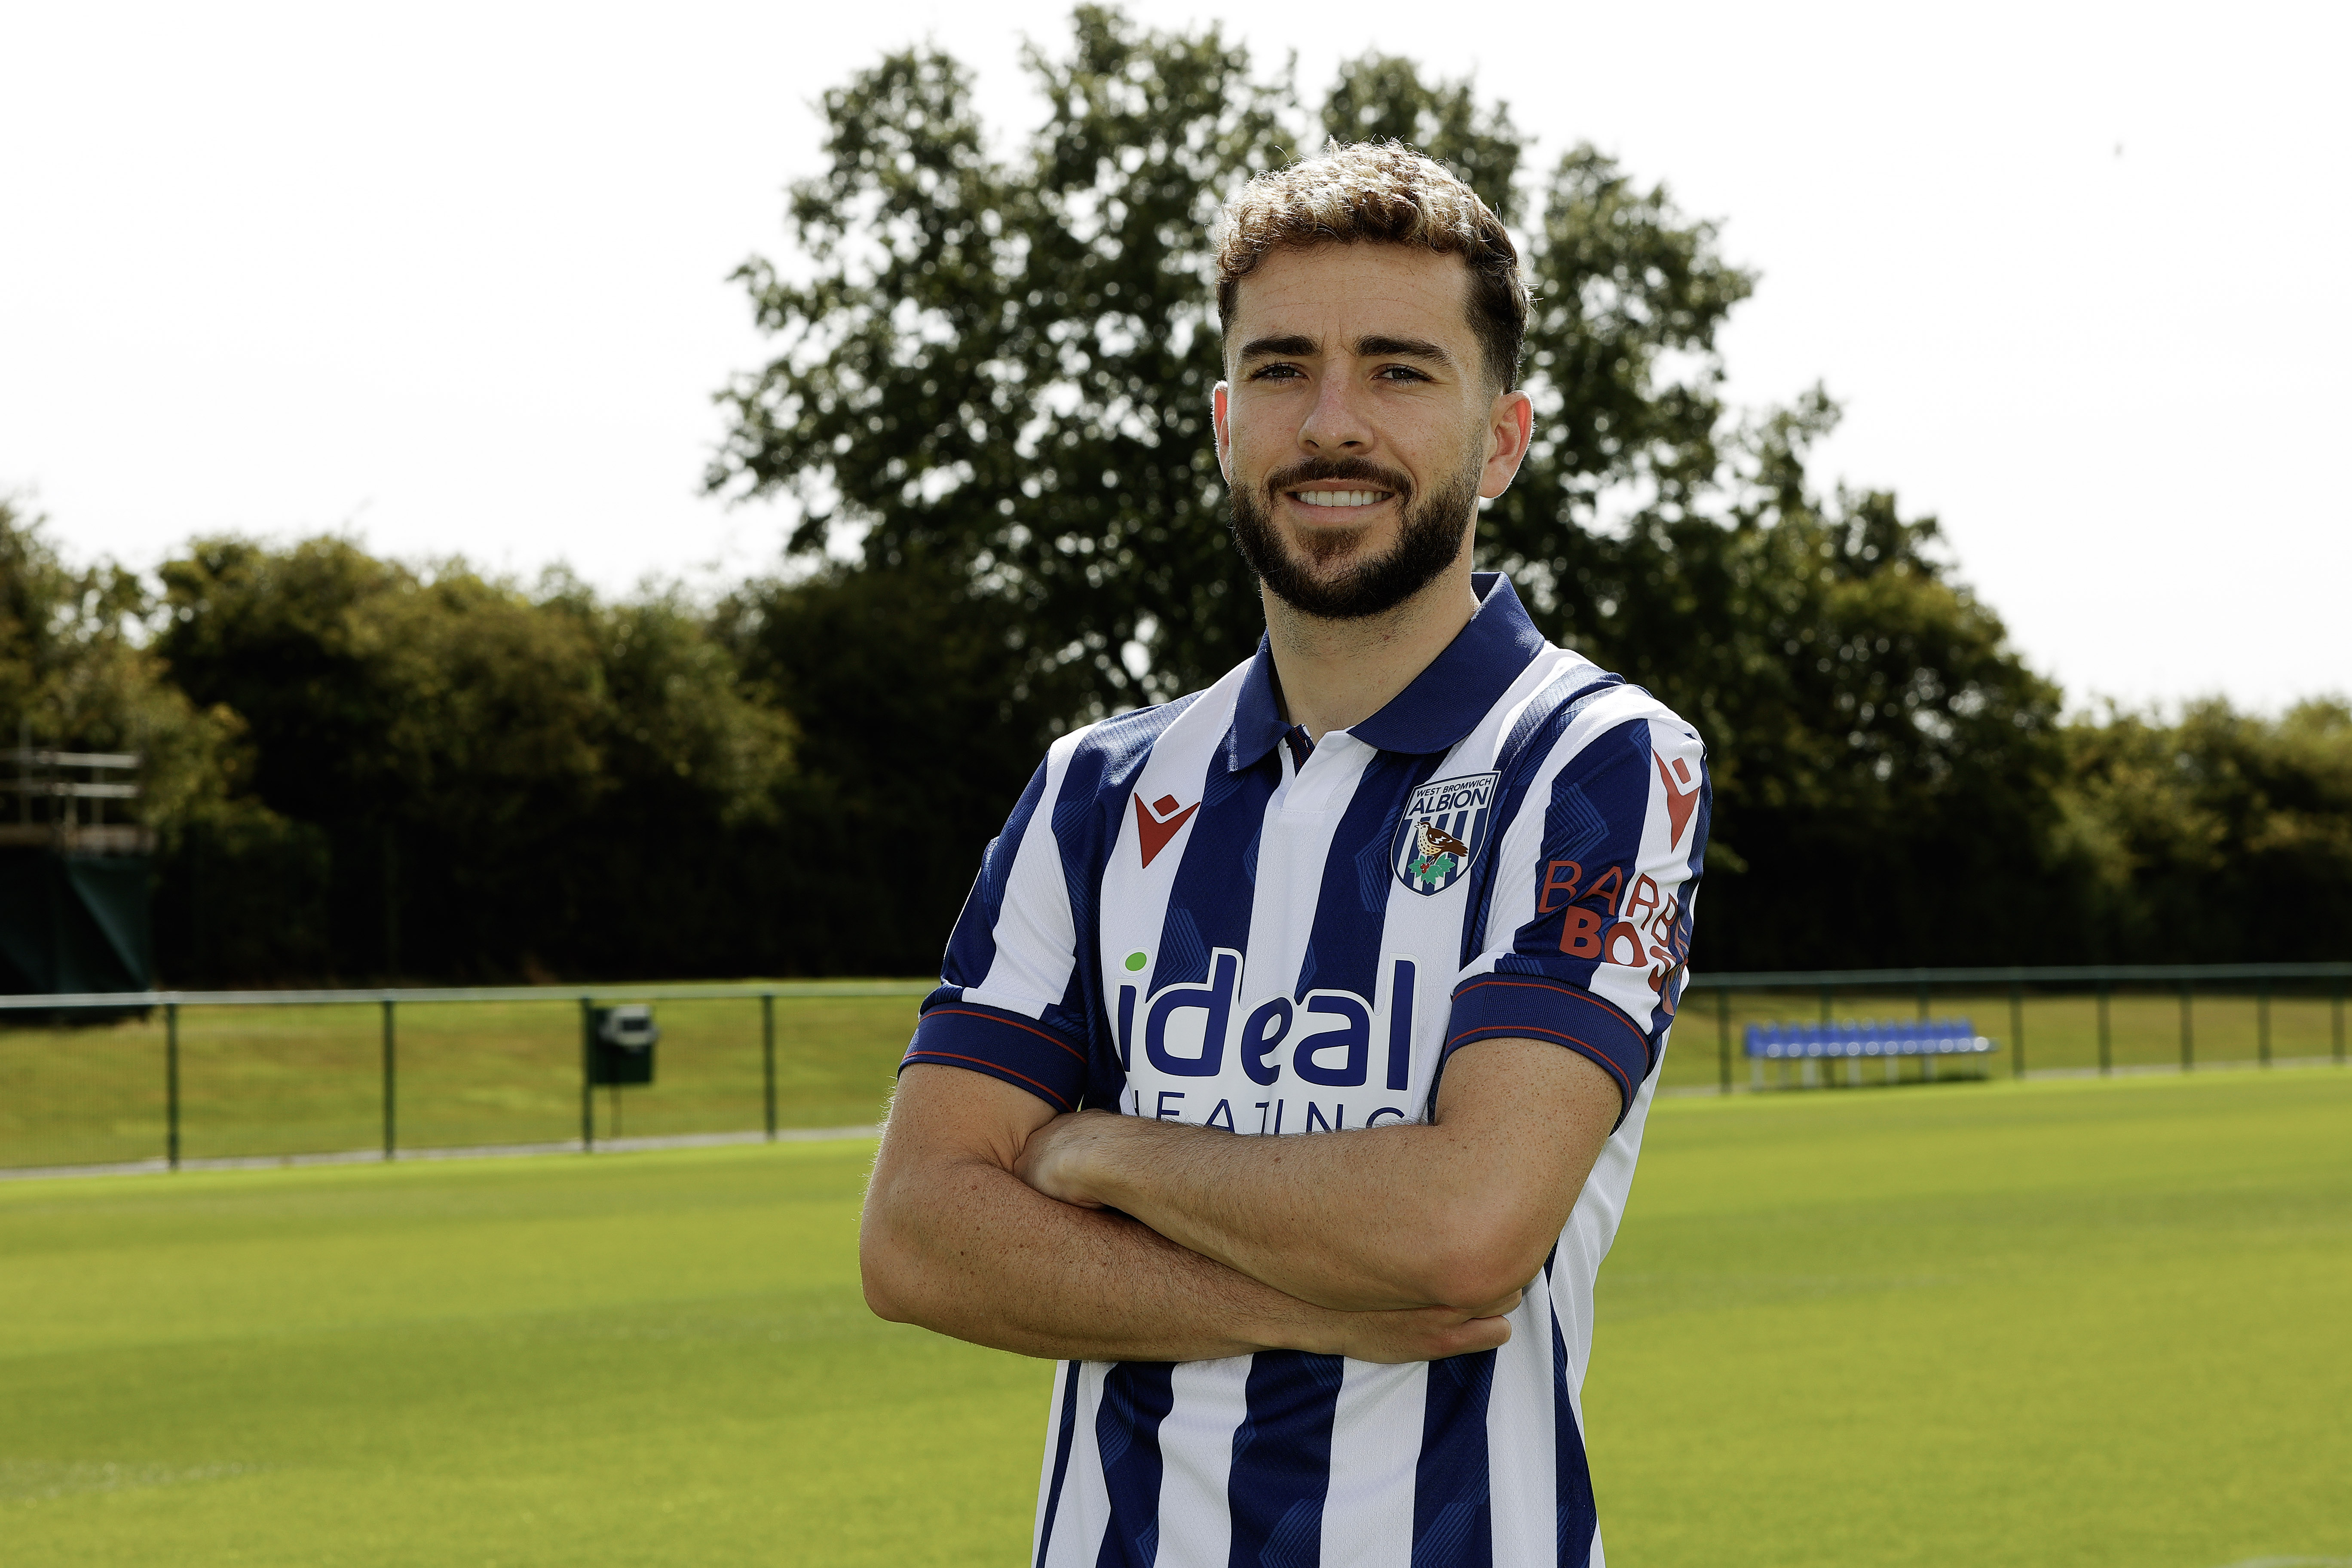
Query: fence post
(768, 1058)
(391, 1082)
(2017, 1028)
(171, 1085)
(2106, 1042)
(1723, 1040)
(2338, 1026)
(2188, 1027)
(2263, 1021)
(587, 1080)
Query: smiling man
(1411, 881)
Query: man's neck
(1337, 673)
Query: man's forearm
(1356, 1221)
(978, 1255)
(1452, 1213)
(983, 1258)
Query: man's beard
(1427, 545)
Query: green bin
(621, 1043)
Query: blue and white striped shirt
(1197, 915)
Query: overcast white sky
(452, 277)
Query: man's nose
(1336, 422)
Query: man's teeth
(1341, 498)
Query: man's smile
(1338, 500)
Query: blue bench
(1853, 1042)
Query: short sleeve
(1590, 923)
(1008, 1004)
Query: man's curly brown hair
(1380, 192)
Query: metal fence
(102, 1079)
(2311, 987)
(61, 1032)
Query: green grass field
(258, 1081)
(2069, 1322)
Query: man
(1411, 881)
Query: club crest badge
(1444, 826)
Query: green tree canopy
(496, 779)
(78, 672)
(2224, 836)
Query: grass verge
(2071, 1322)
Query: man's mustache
(1309, 471)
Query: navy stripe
(1572, 1475)
(1452, 1518)
(1209, 898)
(1137, 1397)
(1282, 1460)
(971, 948)
(1061, 1461)
(1343, 950)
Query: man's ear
(1221, 417)
(1510, 429)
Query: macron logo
(1680, 801)
(1158, 823)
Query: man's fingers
(1038, 1166)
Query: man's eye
(1277, 373)
(1401, 372)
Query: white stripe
(1301, 816)
(1065, 1390)
(1196, 1452)
(1591, 1229)
(1085, 1510)
(1036, 938)
(1519, 1440)
(1376, 1431)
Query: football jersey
(1198, 915)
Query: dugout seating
(1855, 1041)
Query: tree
(1007, 365)
(1003, 368)
(921, 715)
(2223, 836)
(1007, 368)
(76, 673)
(498, 782)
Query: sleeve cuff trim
(994, 1070)
(1490, 1008)
(1046, 1035)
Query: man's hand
(1421, 1333)
(1459, 1213)
(1058, 1155)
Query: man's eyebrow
(1295, 346)
(1401, 348)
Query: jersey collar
(1445, 701)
